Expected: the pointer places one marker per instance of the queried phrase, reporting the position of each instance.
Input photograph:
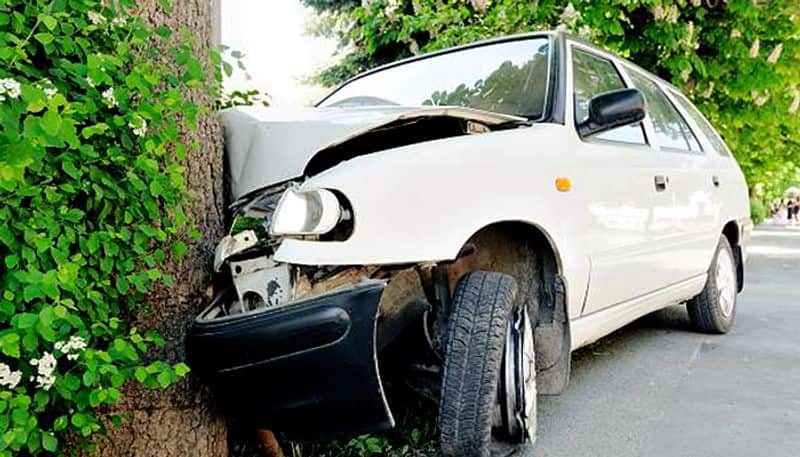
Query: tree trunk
(180, 421)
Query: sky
(278, 53)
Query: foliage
(758, 212)
(735, 59)
(92, 104)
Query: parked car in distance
(462, 220)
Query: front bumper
(307, 369)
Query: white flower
(709, 91)
(391, 8)
(119, 21)
(569, 13)
(775, 54)
(479, 5)
(9, 378)
(108, 97)
(47, 86)
(45, 368)
(89, 81)
(795, 104)
(658, 12)
(585, 31)
(139, 127)
(755, 48)
(96, 18)
(9, 87)
(71, 348)
(759, 100)
(735, 33)
(672, 15)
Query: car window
(593, 75)
(703, 124)
(671, 130)
(508, 77)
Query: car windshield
(508, 77)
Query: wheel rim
(518, 385)
(726, 282)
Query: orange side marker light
(563, 184)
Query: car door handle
(661, 182)
(715, 181)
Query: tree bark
(182, 420)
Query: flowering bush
(91, 105)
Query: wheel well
(731, 232)
(525, 252)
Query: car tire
(476, 356)
(713, 310)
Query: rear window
(703, 124)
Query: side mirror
(611, 110)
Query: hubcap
(726, 282)
(517, 390)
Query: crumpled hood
(265, 146)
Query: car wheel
(713, 310)
(488, 397)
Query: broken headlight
(306, 212)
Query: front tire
(485, 384)
(713, 310)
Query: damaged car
(461, 221)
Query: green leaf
(51, 122)
(60, 423)
(48, 21)
(10, 345)
(24, 320)
(49, 442)
(181, 369)
(44, 38)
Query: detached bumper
(306, 369)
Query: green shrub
(758, 212)
(91, 105)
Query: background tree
(736, 59)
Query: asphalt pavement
(656, 388)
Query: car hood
(266, 146)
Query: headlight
(306, 212)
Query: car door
(687, 172)
(627, 210)
(721, 176)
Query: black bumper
(307, 369)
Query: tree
(180, 421)
(735, 59)
(110, 177)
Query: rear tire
(713, 310)
(475, 347)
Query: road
(655, 388)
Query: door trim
(591, 327)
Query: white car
(462, 221)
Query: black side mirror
(611, 110)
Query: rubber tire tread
(704, 310)
(474, 346)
